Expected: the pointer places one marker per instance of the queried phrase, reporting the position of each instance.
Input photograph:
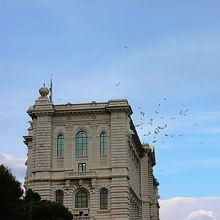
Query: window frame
(81, 144)
(59, 196)
(103, 199)
(79, 203)
(60, 145)
(81, 167)
(103, 144)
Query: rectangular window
(81, 167)
(103, 144)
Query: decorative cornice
(80, 109)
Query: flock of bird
(155, 129)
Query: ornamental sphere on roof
(44, 91)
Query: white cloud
(201, 215)
(17, 165)
(182, 208)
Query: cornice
(27, 139)
(67, 111)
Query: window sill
(60, 158)
(81, 157)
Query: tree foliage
(31, 207)
(10, 193)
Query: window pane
(59, 196)
(104, 199)
(81, 167)
(60, 145)
(81, 144)
(103, 143)
(81, 200)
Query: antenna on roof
(51, 89)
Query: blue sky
(173, 53)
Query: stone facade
(124, 170)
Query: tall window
(81, 144)
(103, 144)
(59, 196)
(81, 200)
(103, 199)
(60, 145)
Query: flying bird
(117, 84)
(142, 113)
(125, 47)
(157, 112)
(195, 124)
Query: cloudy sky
(164, 53)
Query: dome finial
(44, 91)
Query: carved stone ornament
(67, 184)
(80, 182)
(68, 118)
(93, 183)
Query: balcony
(81, 214)
(80, 175)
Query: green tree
(10, 194)
(31, 207)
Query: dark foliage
(31, 207)
(45, 210)
(31, 196)
(10, 192)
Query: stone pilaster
(119, 192)
(145, 188)
(68, 151)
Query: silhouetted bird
(117, 84)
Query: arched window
(103, 199)
(81, 144)
(81, 199)
(59, 196)
(103, 144)
(60, 145)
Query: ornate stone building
(89, 157)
